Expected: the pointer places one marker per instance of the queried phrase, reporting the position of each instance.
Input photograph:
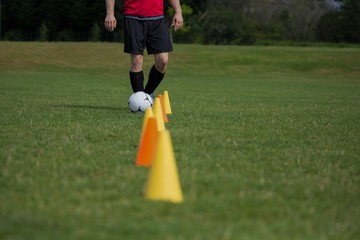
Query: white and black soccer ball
(139, 102)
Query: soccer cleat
(152, 96)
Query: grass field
(266, 139)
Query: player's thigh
(134, 36)
(158, 37)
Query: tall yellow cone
(167, 102)
(158, 114)
(163, 108)
(148, 114)
(163, 182)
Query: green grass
(266, 139)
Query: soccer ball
(139, 102)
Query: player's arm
(178, 20)
(110, 20)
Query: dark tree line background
(207, 21)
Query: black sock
(154, 81)
(137, 81)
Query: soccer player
(145, 27)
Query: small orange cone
(158, 114)
(148, 113)
(148, 144)
(167, 102)
(163, 181)
(163, 108)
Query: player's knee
(161, 64)
(137, 63)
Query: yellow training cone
(158, 114)
(148, 114)
(163, 108)
(167, 102)
(163, 181)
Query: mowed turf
(266, 140)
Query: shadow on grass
(91, 107)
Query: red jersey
(143, 8)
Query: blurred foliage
(206, 22)
(342, 25)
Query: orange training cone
(163, 181)
(167, 102)
(148, 144)
(158, 114)
(163, 108)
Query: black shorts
(150, 34)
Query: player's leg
(161, 61)
(157, 72)
(136, 64)
(159, 44)
(134, 44)
(136, 72)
